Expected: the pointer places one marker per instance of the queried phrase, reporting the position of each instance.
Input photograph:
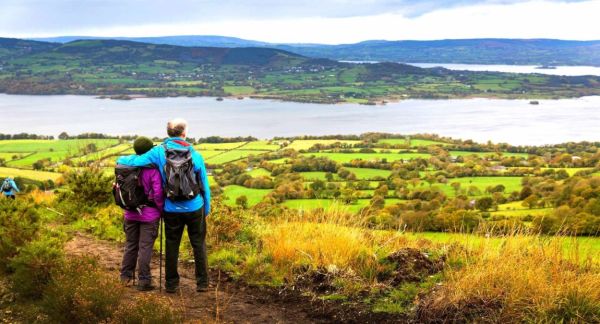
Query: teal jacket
(157, 157)
(13, 187)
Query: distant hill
(13, 47)
(122, 68)
(192, 40)
(99, 51)
(469, 51)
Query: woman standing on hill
(141, 226)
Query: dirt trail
(226, 303)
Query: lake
(512, 121)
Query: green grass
(413, 142)
(586, 246)
(261, 145)
(254, 195)
(368, 174)
(219, 146)
(29, 174)
(306, 144)
(483, 154)
(316, 175)
(308, 204)
(73, 146)
(111, 151)
(390, 157)
(231, 156)
(510, 183)
(239, 90)
(259, 172)
(9, 156)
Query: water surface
(511, 121)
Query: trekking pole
(160, 229)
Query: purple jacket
(152, 183)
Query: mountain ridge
(537, 51)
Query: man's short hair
(176, 127)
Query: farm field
(29, 174)
(347, 157)
(504, 154)
(481, 183)
(254, 195)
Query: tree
(63, 136)
(377, 202)
(242, 201)
(456, 187)
(484, 203)
(349, 196)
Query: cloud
(330, 21)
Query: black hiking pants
(140, 237)
(196, 229)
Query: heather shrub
(33, 267)
(147, 309)
(81, 293)
(18, 225)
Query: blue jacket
(13, 187)
(157, 157)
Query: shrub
(89, 187)
(18, 225)
(33, 266)
(147, 309)
(80, 293)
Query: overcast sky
(308, 21)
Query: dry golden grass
(520, 280)
(42, 197)
(333, 239)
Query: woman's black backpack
(128, 189)
(182, 182)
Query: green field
(306, 144)
(483, 154)
(230, 156)
(259, 172)
(368, 174)
(411, 142)
(510, 183)
(219, 146)
(390, 157)
(29, 174)
(254, 195)
(308, 204)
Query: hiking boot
(202, 288)
(171, 289)
(145, 286)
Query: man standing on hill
(188, 199)
(9, 187)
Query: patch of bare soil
(233, 302)
(411, 265)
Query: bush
(147, 309)
(89, 187)
(33, 266)
(80, 293)
(18, 225)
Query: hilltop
(468, 51)
(121, 68)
